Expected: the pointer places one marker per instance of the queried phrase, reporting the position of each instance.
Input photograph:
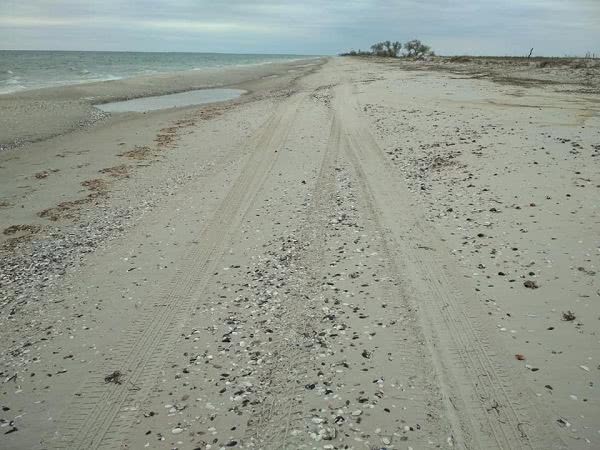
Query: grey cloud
(311, 26)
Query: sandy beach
(354, 254)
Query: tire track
(281, 409)
(486, 413)
(90, 422)
(285, 420)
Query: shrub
(386, 48)
(416, 49)
(389, 49)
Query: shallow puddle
(188, 98)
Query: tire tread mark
(470, 350)
(146, 337)
(272, 426)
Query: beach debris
(96, 184)
(120, 171)
(13, 229)
(11, 378)
(520, 357)
(586, 271)
(138, 152)
(530, 284)
(563, 422)
(114, 377)
(568, 316)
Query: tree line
(389, 49)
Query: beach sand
(356, 254)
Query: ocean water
(20, 70)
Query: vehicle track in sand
(459, 391)
(288, 410)
(280, 409)
(91, 419)
(486, 405)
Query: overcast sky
(501, 27)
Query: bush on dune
(389, 49)
(416, 49)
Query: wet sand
(363, 254)
(34, 115)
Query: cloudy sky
(502, 27)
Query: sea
(22, 70)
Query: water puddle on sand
(188, 98)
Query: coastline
(63, 68)
(59, 110)
(361, 251)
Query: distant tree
(393, 48)
(386, 48)
(378, 49)
(413, 49)
(356, 53)
(416, 49)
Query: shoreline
(62, 109)
(150, 74)
(419, 249)
(65, 68)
